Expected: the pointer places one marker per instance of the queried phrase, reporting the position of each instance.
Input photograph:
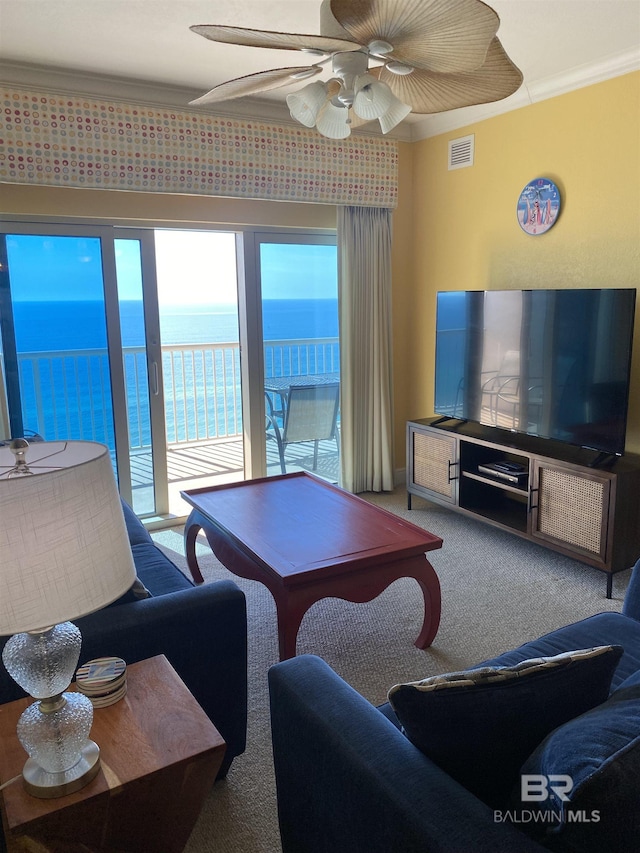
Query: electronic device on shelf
(507, 467)
(554, 364)
(511, 472)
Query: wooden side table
(160, 754)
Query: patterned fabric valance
(82, 141)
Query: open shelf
(498, 502)
(497, 482)
(473, 456)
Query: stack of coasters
(103, 680)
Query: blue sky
(192, 267)
(42, 268)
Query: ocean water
(67, 325)
(68, 396)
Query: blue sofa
(349, 779)
(201, 630)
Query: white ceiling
(145, 49)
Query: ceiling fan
(388, 58)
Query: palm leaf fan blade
(252, 84)
(265, 38)
(427, 92)
(446, 36)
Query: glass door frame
(108, 234)
(153, 343)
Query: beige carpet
(497, 591)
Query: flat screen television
(549, 363)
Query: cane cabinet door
(432, 464)
(570, 508)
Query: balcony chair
(310, 413)
(499, 383)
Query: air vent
(461, 152)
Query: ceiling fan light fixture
(372, 98)
(305, 104)
(348, 67)
(349, 64)
(333, 121)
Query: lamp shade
(333, 121)
(305, 105)
(394, 115)
(373, 98)
(64, 549)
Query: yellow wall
(466, 237)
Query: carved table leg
(430, 586)
(290, 615)
(191, 529)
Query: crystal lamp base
(54, 730)
(40, 783)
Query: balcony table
(281, 384)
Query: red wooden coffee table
(305, 540)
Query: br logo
(536, 788)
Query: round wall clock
(538, 206)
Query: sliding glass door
(298, 284)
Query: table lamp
(64, 553)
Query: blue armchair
(350, 781)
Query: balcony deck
(216, 461)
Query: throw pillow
(596, 806)
(480, 725)
(135, 593)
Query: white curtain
(366, 403)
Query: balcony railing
(68, 394)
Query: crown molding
(530, 93)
